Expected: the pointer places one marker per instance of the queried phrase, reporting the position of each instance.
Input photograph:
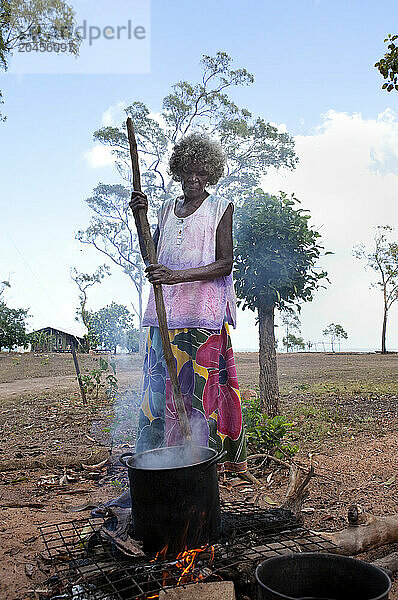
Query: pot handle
(214, 460)
(122, 456)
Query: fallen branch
(297, 491)
(287, 465)
(270, 457)
(365, 532)
(97, 466)
(249, 477)
(72, 492)
(22, 505)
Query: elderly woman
(195, 256)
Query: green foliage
(41, 21)
(83, 282)
(293, 341)
(113, 326)
(42, 341)
(103, 377)
(388, 65)
(275, 253)
(335, 332)
(38, 20)
(290, 321)
(3, 286)
(267, 435)
(132, 340)
(12, 327)
(383, 259)
(250, 143)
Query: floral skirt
(209, 385)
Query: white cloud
(347, 176)
(336, 176)
(281, 127)
(114, 115)
(99, 156)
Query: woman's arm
(222, 266)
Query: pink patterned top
(185, 243)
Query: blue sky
(313, 67)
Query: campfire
(89, 567)
(188, 563)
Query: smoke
(173, 457)
(124, 421)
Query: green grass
(317, 423)
(343, 389)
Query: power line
(43, 289)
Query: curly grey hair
(198, 147)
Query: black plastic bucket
(313, 576)
(174, 504)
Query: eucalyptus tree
(334, 331)
(39, 21)
(388, 64)
(291, 322)
(12, 323)
(275, 267)
(83, 282)
(293, 341)
(113, 326)
(383, 259)
(112, 233)
(251, 144)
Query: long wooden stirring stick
(144, 233)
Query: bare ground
(345, 408)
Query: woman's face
(193, 179)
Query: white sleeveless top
(189, 242)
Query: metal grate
(88, 568)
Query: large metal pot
(174, 497)
(315, 576)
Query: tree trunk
(384, 330)
(269, 390)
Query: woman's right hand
(138, 201)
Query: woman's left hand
(161, 274)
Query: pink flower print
(221, 388)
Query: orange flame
(184, 561)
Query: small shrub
(101, 378)
(267, 435)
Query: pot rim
(318, 554)
(196, 464)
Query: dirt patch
(27, 365)
(47, 433)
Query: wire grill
(88, 568)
